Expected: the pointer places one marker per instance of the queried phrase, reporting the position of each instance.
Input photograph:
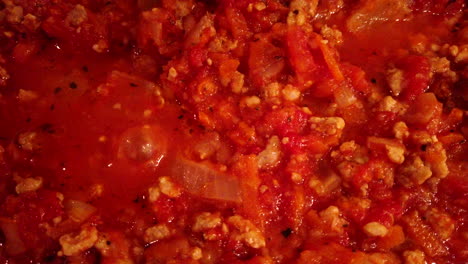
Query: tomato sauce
(233, 131)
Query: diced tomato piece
(266, 62)
(423, 236)
(286, 121)
(455, 186)
(197, 57)
(305, 144)
(386, 213)
(237, 23)
(357, 77)
(300, 55)
(330, 60)
(424, 109)
(381, 123)
(227, 69)
(324, 88)
(394, 237)
(327, 253)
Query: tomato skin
(417, 75)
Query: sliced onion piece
(344, 96)
(79, 211)
(201, 180)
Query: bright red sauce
(233, 131)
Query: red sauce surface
(233, 131)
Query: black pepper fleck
(48, 128)
(49, 258)
(287, 232)
(73, 85)
(57, 90)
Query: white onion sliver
(200, 180)
(79, 211)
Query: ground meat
(156, 233)
(291, 93)
(14, 13)
(414, 257)
(327, 125)
(395, 80)
(333, 219)
(153, 194)
(300, 11)
(28, 184)
(27, 95)
(29, 141)
(206, 221)
(325, 186)
(31, 22)
(441, 222)
(400, 130)
(414, 170)
(169, 188)
(75, 244)
(375, 229)
(270, 157)
(333, 35)
(77, 16)
(3, 76)
(246, 232)
(389, 104)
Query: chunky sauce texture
(234, 131)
